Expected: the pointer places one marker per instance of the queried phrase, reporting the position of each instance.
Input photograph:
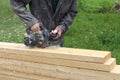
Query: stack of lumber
(18, 62)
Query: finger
(35, 28)
(59, 33)
(32, 28)
(56, 37)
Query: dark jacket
(42, 11)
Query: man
(53, 14)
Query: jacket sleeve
(19, 7)
(68, 18)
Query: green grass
(11, 28)
(95, 31)
(95, 27)
(96, 6)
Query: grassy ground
(11, 28)
(95, 31)
(98, 29)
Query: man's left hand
(59, 32)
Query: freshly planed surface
(107, 66)
(116, 69)
(11, 77)
(28, 76)
(18, 62)
(61, 72)
(4, 78)
(24, 76)
(60, 53)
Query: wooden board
(11, 77)
(26, 76)
(103, 67)
(5, 78)
(116, 69)
(18, 62)
(3, 62)
(64, 72)
(60, 75)
(60, 53)
(107, 66)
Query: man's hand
(59, 32)
(36, 27)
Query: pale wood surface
(64, 72)
(61, 53)
(58, 74)
(116, 69)
(11, 77)
(9, 63)
(18, 62)
(107, 66)
(27, 76)
(5, 78)
(32, 64)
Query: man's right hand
(36, 27)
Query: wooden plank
(9, 77)
(50, 70)
(5, 78)
(68, 70)
(60, 53)
(27, 76)
(58, 74)
(116, 69)
(107, 66)
(45, 72)
(65, 73)
(94, 66)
